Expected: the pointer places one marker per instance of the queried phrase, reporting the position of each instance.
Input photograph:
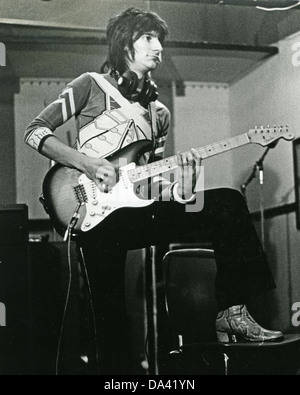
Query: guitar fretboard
(141, 173)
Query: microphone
(258, 167)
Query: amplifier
(14, 224)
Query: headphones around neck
(128, 84)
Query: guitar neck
(141, 173)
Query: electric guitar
(73, 201)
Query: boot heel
(224, 337)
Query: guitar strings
(172, 161)
(208, 150)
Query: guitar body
(62, 186)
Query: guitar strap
(153, 117)
(133, 110)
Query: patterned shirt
(106, 121)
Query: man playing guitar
(114, 112)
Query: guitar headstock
(268, 135)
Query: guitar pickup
(80, 194)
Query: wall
(201, 117)
(269, 95)
(7, 142)
(275, 100)
(31, 167)
(283, 251)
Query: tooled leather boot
(236, 323)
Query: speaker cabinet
(48, 285)
(49, 277)
(13, 224)
(14, 336)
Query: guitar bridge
(80, 194)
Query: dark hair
(124, 29)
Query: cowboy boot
(236, 323)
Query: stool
(189, 276)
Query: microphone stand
(258, 167)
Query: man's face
(148, 54)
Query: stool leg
(151, 301)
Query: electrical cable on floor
(279, 8)
(146, 347)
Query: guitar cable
(279, 8)
(66, 305)
(72, 223)
(92, 307)
(68, 238)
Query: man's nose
(156, 45)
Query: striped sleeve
(71, 101)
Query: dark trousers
(242, 268)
